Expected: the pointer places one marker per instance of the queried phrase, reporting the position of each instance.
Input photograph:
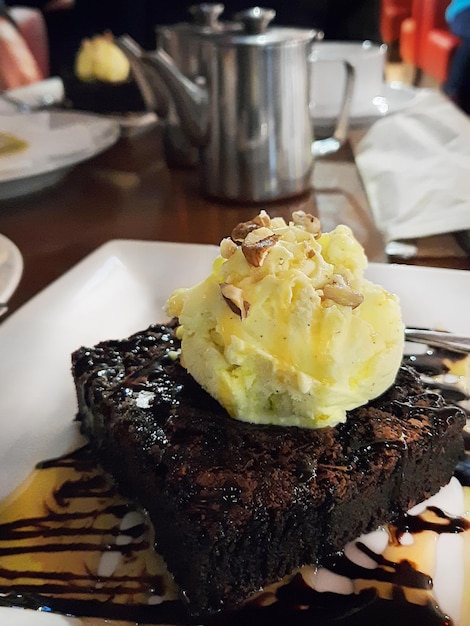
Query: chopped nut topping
(308, 221)
(340, 292)
(227, 247)
(257, 244)
(234, 298)
(263, 219)
(240, 231)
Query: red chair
(410, 34)
(425, 40)
(392, 14)
(438, 44)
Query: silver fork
(438, 339)
(454, 388)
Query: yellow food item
(10, 144)
(286, 330)
(100, 59)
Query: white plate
(119, 289)
(391, 99)
(57, 141)
(11, 268)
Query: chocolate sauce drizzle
(300, 605)
(89, 595)
(433, 364)
(70, 532)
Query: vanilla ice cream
(286, 330)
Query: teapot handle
(322, 147)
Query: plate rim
(107, 139)
(15, 265)
(373, 113)
(101, 249)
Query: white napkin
(415, 165)
(49, 144)
(40, 94)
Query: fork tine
(438, 339)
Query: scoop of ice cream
(286, 330)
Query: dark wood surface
(129, 193)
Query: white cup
(329, 75)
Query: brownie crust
(237, 506)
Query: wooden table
(128, 192)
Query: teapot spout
(154, 94)
(190, 99)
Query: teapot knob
(255, 20)
(206, 14)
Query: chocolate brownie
(236, 505)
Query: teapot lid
(206, 14)
(205, 20)
(254, 29)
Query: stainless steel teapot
(183, 42)
(250, 114)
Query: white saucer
(392, 98)
(11, 268)
(56, 142)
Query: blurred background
(422, 45)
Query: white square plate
(119, 289)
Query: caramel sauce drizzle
(80, 542)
